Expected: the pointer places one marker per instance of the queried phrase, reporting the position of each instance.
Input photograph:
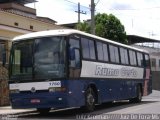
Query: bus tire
(90, 99)
(139, 95)
(43, 111)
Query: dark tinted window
(140, 59)
(114, 55)
(105, 52)
(49, 57)
(124, 56)
(74, 53)
(74, 43)
(91, 49)
(85, 48)
(99, 51)
(102, 51)
(88, 48)
(132, 57)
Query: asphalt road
(148, 109)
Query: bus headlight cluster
(56, 89)
(15, 91)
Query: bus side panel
(76, 92)
(108, 90)
(111, 90)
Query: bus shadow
(74, 113)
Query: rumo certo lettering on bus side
(104, 71)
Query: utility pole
(79, 12)
(92, 17)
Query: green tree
(107, 26)
(83, 26)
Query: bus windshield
(40, 58)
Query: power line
(76, 4)
(79, 11)
(97, 3)
(83, 8)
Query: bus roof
(65, 32)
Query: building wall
(155, 62)
(24, 22)
(156, 80)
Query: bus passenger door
(74, 58)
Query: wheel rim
(90, 99)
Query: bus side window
(114, 55)
(88, 49)
(140, 59)
(74, 53)
(102, 51)
(74, 58)
(77, 58)
(124, 56)
(132, 56)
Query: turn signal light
(14, 91)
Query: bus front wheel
(89, 100)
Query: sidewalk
(8, 110)
(154, 96)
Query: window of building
(124, 56)
(132, 57)
(102, 51)
(16, 24)
(88, 48)
(114, 55)
(153, 62)
(31, 27)
(140, 59)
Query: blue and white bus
(69, 68)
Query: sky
(140, 17)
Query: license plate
(35, 101)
